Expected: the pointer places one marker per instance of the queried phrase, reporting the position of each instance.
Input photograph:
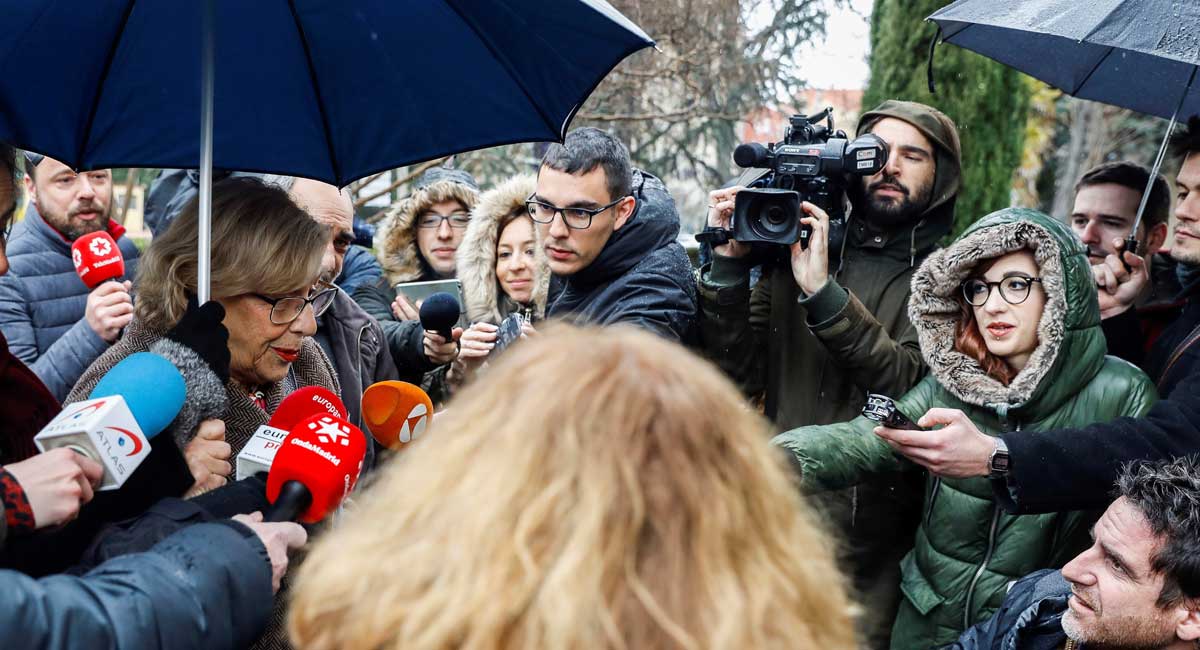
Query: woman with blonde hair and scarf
(597, 489)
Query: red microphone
(315, 468)
(259, 452)
(305, 402)
(97, 258)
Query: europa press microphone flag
(131, 404)
(97, 258)
(258, 453)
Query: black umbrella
(1136, 54)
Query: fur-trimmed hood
(398, 252)
(477, 254)
(1071, 347)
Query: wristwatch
(998, 462)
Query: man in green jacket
(816, 335)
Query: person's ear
(30, 188)
(625, 210)
(1155, 238)
(1188, 627)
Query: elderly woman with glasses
(266, 259)
(1010, 328)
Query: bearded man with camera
(827, 322)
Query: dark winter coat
(355, 345)
(1076, 467)
(183, 593)
(1030, 618)
(642, 276)
(967, 550)
(816, 357)
(42, 304)
(360, 268)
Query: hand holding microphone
(279, 538)
(208, 457)
(57, 483)
(439, 313)
(98, 260)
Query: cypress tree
(987, 100)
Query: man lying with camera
(827, 323)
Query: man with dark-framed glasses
(609, 233)
(352, 340)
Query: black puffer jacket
(643, 276)
(1029, 619)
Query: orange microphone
(97, 259)
(396, 412)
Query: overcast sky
(840, 60)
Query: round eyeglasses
(1014, 290)
(287, 309)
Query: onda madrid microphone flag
(315, 468)
(97, 258)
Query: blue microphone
(153, 389)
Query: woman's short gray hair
(262, 242)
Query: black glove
(201, 330)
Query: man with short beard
(829, 324)
(52, 321)
(1136, 588)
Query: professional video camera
(814, 163)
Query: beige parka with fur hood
(485, 301)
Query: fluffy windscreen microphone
(439, 313)
(258, 454)
(304, 403)
(97, 258)
(316, 467)
(130, 405)
(206, 396)
(396, 412)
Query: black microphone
(751, 154)
(439, 313)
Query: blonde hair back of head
(597, 489)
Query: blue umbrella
(333, 90)
(1137, 54)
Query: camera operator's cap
(447, 175)
(34, 158)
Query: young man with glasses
(609, 233)
(352, 340)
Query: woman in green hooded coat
(1010, 328)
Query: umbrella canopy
(1136, 54)
(333, 90)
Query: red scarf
(25, 407)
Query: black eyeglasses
(434, 220)
(574, 218)
(285, 310)
(1014, 290)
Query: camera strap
(713, 236)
